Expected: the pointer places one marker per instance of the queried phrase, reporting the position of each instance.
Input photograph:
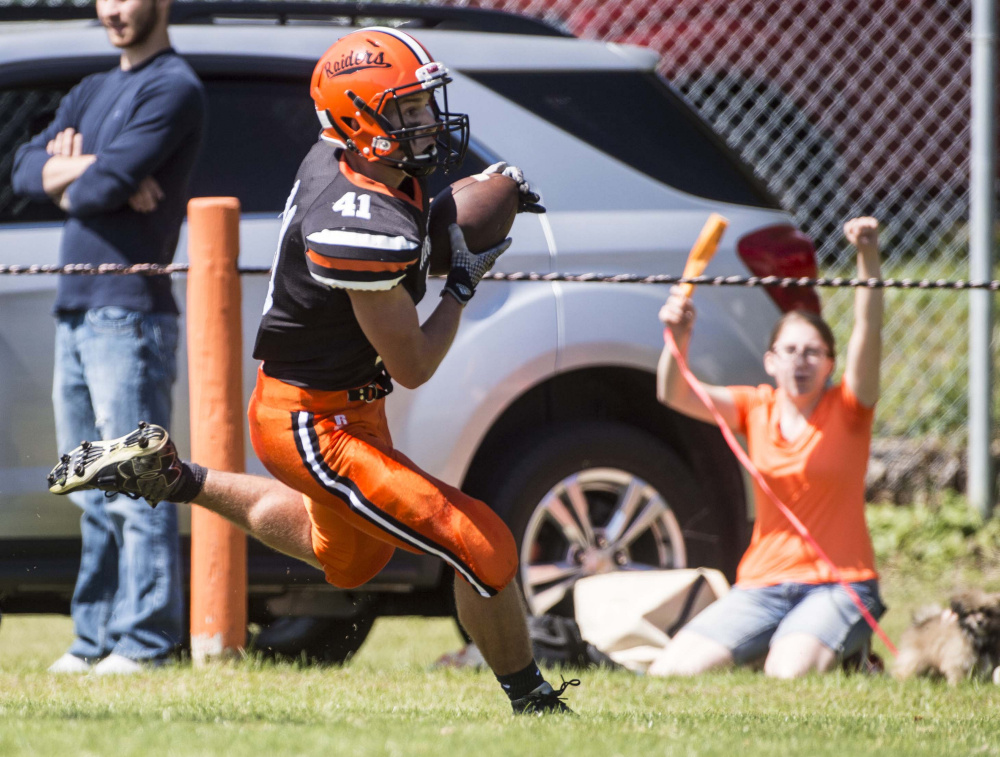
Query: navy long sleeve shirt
(147, 121)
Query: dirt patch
(916, 471)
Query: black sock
(189, 485)
(517, 685)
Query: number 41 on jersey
(347, 206)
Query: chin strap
(742, 456)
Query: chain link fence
(842, 108)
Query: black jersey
(340, 231)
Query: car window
(636, 118)
(258, 132)
(26, 111)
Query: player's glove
(528, 199)
(467, 268)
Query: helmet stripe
(415, 47)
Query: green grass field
(387, 701)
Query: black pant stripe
(307, 444)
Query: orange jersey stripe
(345, 264)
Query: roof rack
(202, 12)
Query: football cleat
(143, 463)
(544, 700)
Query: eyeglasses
(809, 354)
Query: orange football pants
(365, 498)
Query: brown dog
(957, 643)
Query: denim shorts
(748, 621)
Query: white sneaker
(70, 663)
(116, 664)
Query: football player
(340, 325)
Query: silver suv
(545, 406)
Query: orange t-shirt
(819, 476)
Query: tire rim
(596, 521)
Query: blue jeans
(114, 368)
(748, 621)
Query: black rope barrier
(150, 269)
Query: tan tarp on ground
(627, 614)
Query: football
(484, 205)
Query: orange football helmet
(365, 74)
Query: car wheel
(593, 498)
(316, 639)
